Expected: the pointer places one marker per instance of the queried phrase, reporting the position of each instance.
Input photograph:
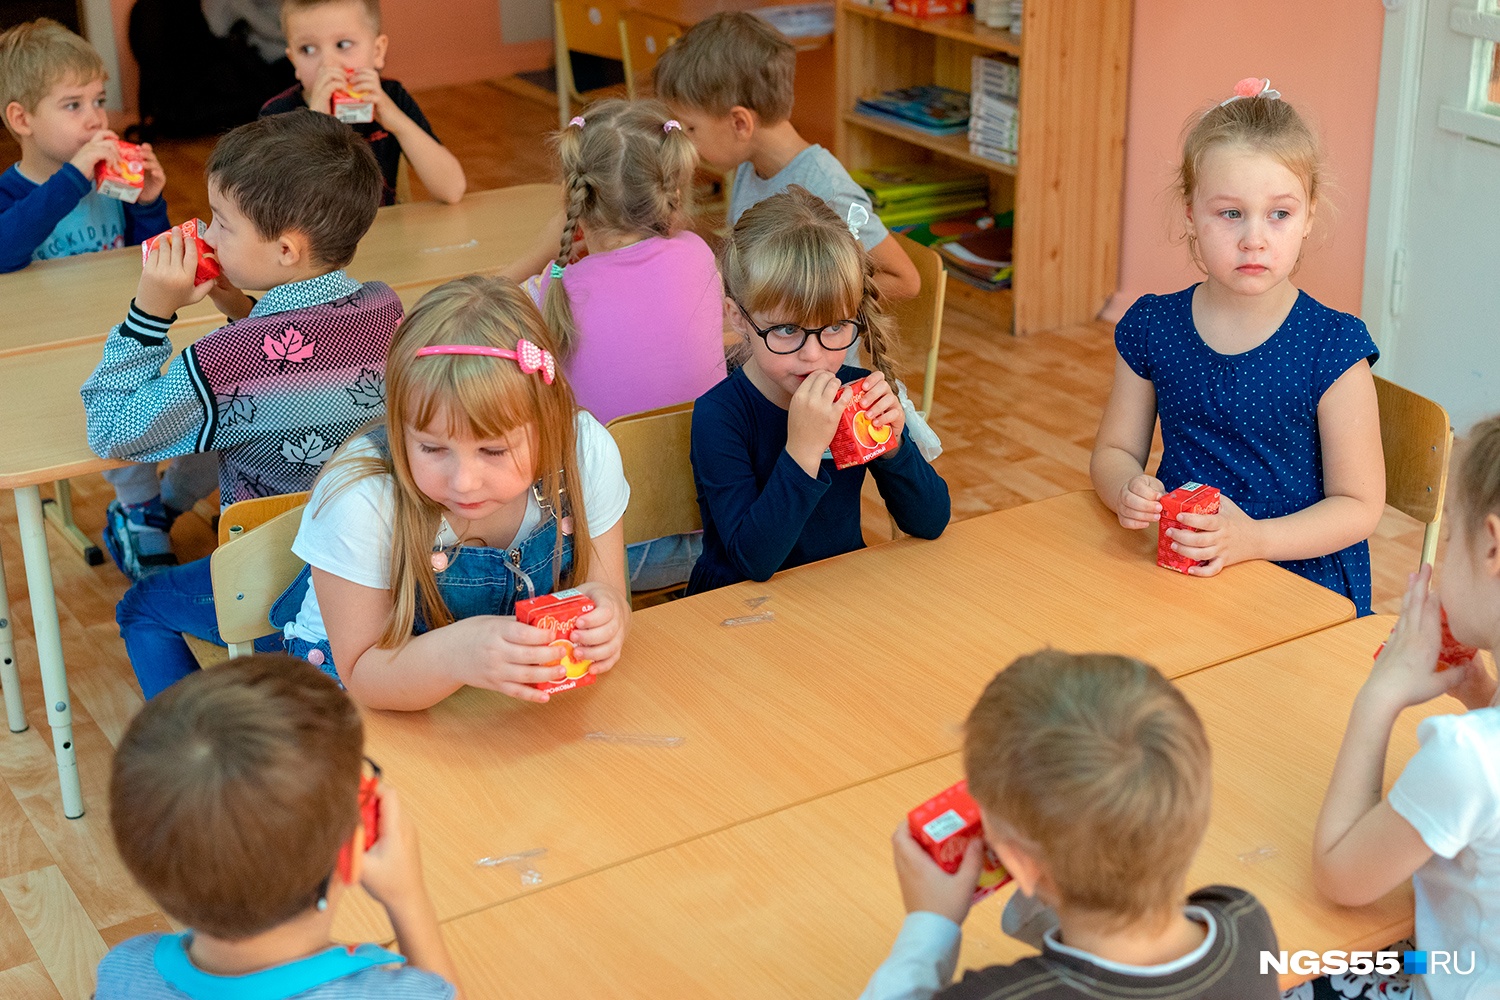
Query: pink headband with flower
(527, 356)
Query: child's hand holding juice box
(857, 439)
(122, 177)
(945, 824)
(192, 229)
(353, 107)
(1189, 498)
(559, 613)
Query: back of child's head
(1265, 124)
(38, 55)
(1100, 767)
(726, 61)
(233, 790)
(371, 9)
(1476, 484)
(626, 170)
(470, 396)
(790, 255)
(305, 172)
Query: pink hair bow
(1252, 86)
(527, 356)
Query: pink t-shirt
(650, 320)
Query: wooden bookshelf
(1066, 186)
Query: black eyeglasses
(788, 338)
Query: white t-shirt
(1450, 792)
(350, 535)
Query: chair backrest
(643, 38)
(249, 573)
(654, 449)
(247, 515)
(403, 181)
(919, 320)
(1417, 438)
(588, 26)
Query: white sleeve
(921, 961)
(1450, 789)
(605, 491)
(350, 534)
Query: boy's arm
(895, 275)
(438, 169)
(134, 409)
(27, 221)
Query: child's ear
(743, 121)
(382, 42)
(18, 118)
(1489, 539)
(292, 248)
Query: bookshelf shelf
(1065, 189)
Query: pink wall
(1187, 53)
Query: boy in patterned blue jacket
(274, 391)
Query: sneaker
(137, 539)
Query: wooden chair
(403, 181)
(663, 498)
(1417, 438)
(643, 38)
(251, 568)
(920, 319)
(588, 26)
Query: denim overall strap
(489, 581)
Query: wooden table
(413, 247)
(804, 901)
(421, 243)
(837, 690)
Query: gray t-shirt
(818, 170)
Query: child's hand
(330, 78)
(1218, 540)
(103, 146)
(1405, 672)
(166, 283)
(883, 407)
(600, 634)
(503, 655)
(1139, 503)
(392, 870)
(926, 887)
(156, 177)
(812, 418)
(1476, 686)
(367, 82)
(232, 302)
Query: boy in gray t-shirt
(728, 80)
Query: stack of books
(975, 249)
(932, 110)
(922, 192)
(994, 131)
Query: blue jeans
(155, 612)
(662, 562)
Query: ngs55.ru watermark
(1363, 963)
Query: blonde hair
(1477, 483)
(792, 255)
(36, 55)
(1100, 765)
(371, 9)
(624, 172)
(479, 397)
(726, 61)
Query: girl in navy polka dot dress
(1262, 392)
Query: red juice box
(1189, 498)
(559, 612)
(1451, 653)
(929, 8)
(857, 439)
(208, 261)
(945, 824)
(125, 177)
(352, 106)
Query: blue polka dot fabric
(1248, 423)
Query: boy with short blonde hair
(52, 94)
(728, 79)
(1093, 777)
(338, 45)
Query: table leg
(60, 513)
(10, 680)
(49, 653)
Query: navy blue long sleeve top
(763, 513)
(32, 217)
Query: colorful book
(891, 186)
(927, 107)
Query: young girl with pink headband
(484, 485)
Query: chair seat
(206, 653)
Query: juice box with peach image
(124, 177)
(559, 613)
(945, 824)
(208, 261)
(353, 107)
(1189, 498)
(857, 439)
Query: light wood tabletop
(77, 299)
(851, 680)
(804, 901)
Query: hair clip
(576, 120)
(527, 356)
(1252, 86)
(671, 124)
(858, 216)
(556, 271)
